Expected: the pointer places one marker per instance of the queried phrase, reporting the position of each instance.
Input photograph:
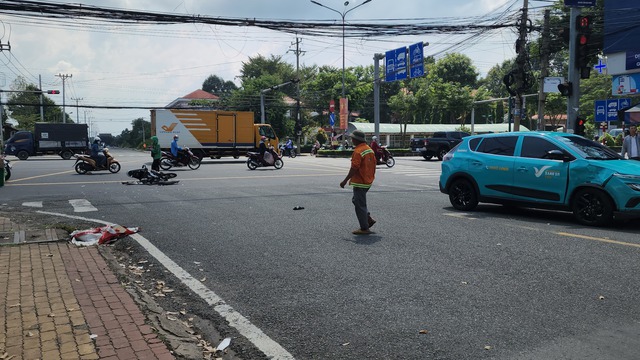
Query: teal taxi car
(542, 170)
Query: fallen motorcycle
(145, 176)
(85, 163)
(271, 158)
(187, 159)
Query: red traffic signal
(53, 91)
(583, 23)
(579, 127)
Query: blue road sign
(612, 109)
(390, 66)
(601, 111)
(401, 63)
(416, 54)
(396, 64)
(607, 110)
(332, 119)
(624, 103)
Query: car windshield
(589, 149)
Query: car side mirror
(557, 155)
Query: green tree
(493, 82)
(217, 86)
(259, 74)
(140, 133)
(456, 68)
(24, 105)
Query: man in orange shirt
(361, 176)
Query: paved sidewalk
(59, 301)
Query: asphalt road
(432, 283)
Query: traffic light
(566, 89)
(579, 128)
(53, 91)
(583, 26)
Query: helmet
(175, 137)
(263, 138)
(96, 139)
(374, 138)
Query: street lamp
(342, 14)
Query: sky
(152, 65)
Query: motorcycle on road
(85, 163)
(292, 152)
(386, 158)
(187, 159)
(271, 158)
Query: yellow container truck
(212, 133)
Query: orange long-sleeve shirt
(364, 160)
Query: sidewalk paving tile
(54, 296)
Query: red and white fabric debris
(101, 235)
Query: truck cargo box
(77, 133)
(211, 133)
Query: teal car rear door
(492, 165)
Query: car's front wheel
(592, 207)
(463, 195)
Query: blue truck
(49, 139)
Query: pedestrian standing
(156, 153)
(631, 144)
(360, 177)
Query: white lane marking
(82, 205)
(37, 204)
(263, 342)
(461, 215)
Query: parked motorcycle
(274, 160)
(7, 168)
(150, 177)
(387, 158)
(84, 163)
(187, 159)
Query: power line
(64, 12)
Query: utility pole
(41, 99)
(544, 70)
(521, 62)
(574, 73)
(77, 113)
(64, 77)
(3, 47)
(298, 127)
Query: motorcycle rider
(288, 146)
(96, 153)
(262, 148)
(316, 147)
(176, 150)
(376, 149)
(156, 153)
